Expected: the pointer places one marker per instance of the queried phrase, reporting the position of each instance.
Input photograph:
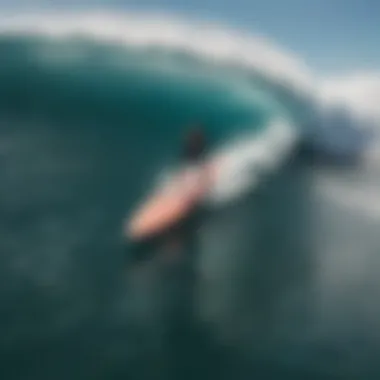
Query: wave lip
(206, 40)
(355, 94)
(359, 93)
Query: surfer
(194, 147)
(184, 205)
(192, 155)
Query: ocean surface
(280, 277)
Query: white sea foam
(207, 40)
(243, 162)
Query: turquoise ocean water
(86, 129)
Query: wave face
(93, 108)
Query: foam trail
(243, 162)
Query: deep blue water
(80, 143)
